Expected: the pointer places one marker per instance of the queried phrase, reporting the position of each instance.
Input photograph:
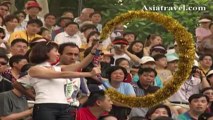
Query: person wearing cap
(203, 30)
(118, 44)
(32, 9)
(69, 34)
(32, 28)
(206, 45)
(143, 87)
(172, 62)
(149, 62)
(157, 49)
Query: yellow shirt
(22, 34)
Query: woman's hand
(95, 71)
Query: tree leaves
(142, 27)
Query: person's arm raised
(46, 73)
(86, 61)
(132, 56)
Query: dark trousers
(51, 111)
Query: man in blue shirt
(198, 104)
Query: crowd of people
(56, 68)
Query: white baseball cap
(209, 73)
(171, 58)
(196, 63)
(146, 59)
(204, 20)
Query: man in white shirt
(69, 34)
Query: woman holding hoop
(48, 82)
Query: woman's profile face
(117, 75)
(53, 55)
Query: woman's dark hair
(91, 34)
(119, 60)
(114, 68)
(153, 109)
(139, 54)
(40, 50)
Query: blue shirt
(124, 88)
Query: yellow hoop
(186, 57)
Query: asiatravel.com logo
(174, 8)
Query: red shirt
(85, 114)
(128, 78)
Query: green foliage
(111, 8)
